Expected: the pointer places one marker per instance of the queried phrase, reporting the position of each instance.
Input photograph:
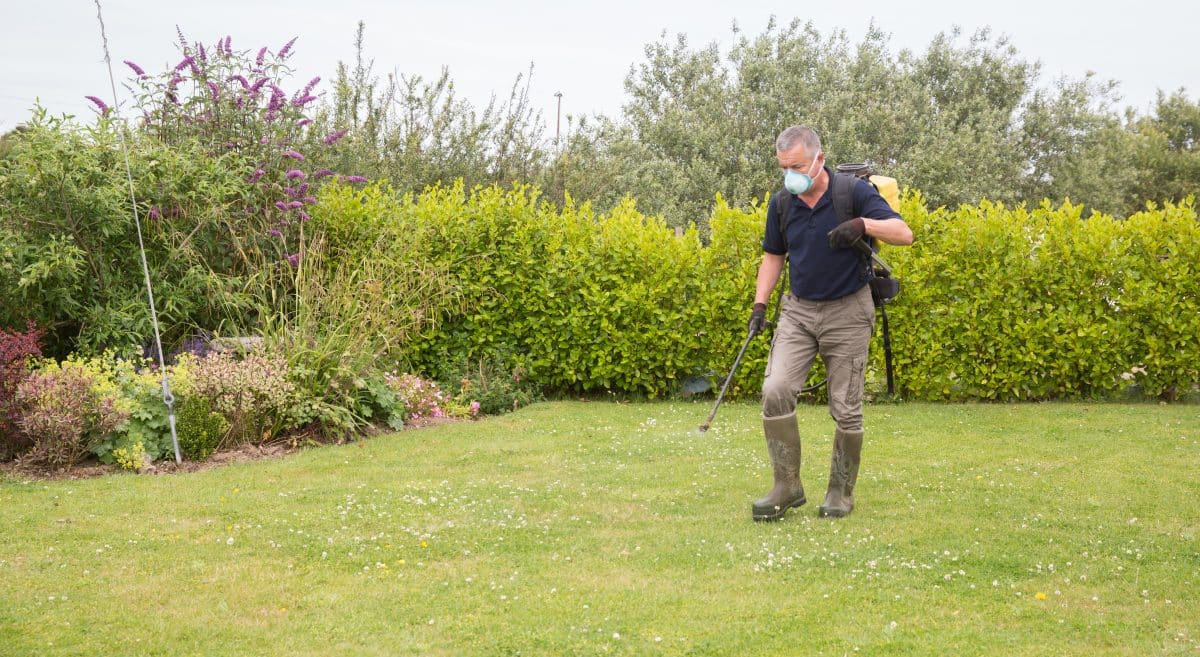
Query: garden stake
(707, 423)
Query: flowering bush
(65, 411)
(252, 392)
(16, 349)
(420, 398)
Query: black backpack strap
(843, 195)
(780, 201)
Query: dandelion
(336, 136)
(294, 155)
(136, 69)
(1040, 595)
(100, 105)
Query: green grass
(575, 528)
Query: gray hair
(798, 135)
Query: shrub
(252, 391)
(492, 386)
(16, 350)
(420, 398)
(199, 429)
(65, 413)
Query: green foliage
(1010, 304)
(65, 411)
(253, 390)
(493, 386)
(415, 132)
(199, 429)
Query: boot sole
(772, 514)
(826, 512)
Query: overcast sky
(51, 49)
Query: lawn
(596, 528)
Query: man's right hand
(758, 320)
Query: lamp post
(557, 118)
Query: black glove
(758, 320)
(847, 233)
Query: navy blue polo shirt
(817, 271)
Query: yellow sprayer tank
(888, 189)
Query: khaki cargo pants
(840, 331)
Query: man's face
(798, 160)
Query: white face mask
(798, 183)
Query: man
(828, 311)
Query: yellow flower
(1040, 595)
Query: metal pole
(558, 118)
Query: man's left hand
(847, 233)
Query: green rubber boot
(843, 473)
(783, 443)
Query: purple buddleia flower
(100, 105)
(302, 189)
(309, 87)
(294, 155)
(182, 40)
(281, 205)
(136, 69)
(155, 214)
(285, 223)
(258, 84)
(294, 173)
(321, 173)
(175, 80)
(303, 122)
(275, 233)
(186, 62)
(271, 115)
(336, 136)
(283, 52)
(216, 93)
(309, 199)
(293, 260)
(303, 216)
(203, 55)
(239, 102)
(242, 80)
(301, 102)
(258, 61)
(295, 205)
(277, 99)
(290, 191)
(229, 46)
(355, 179)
